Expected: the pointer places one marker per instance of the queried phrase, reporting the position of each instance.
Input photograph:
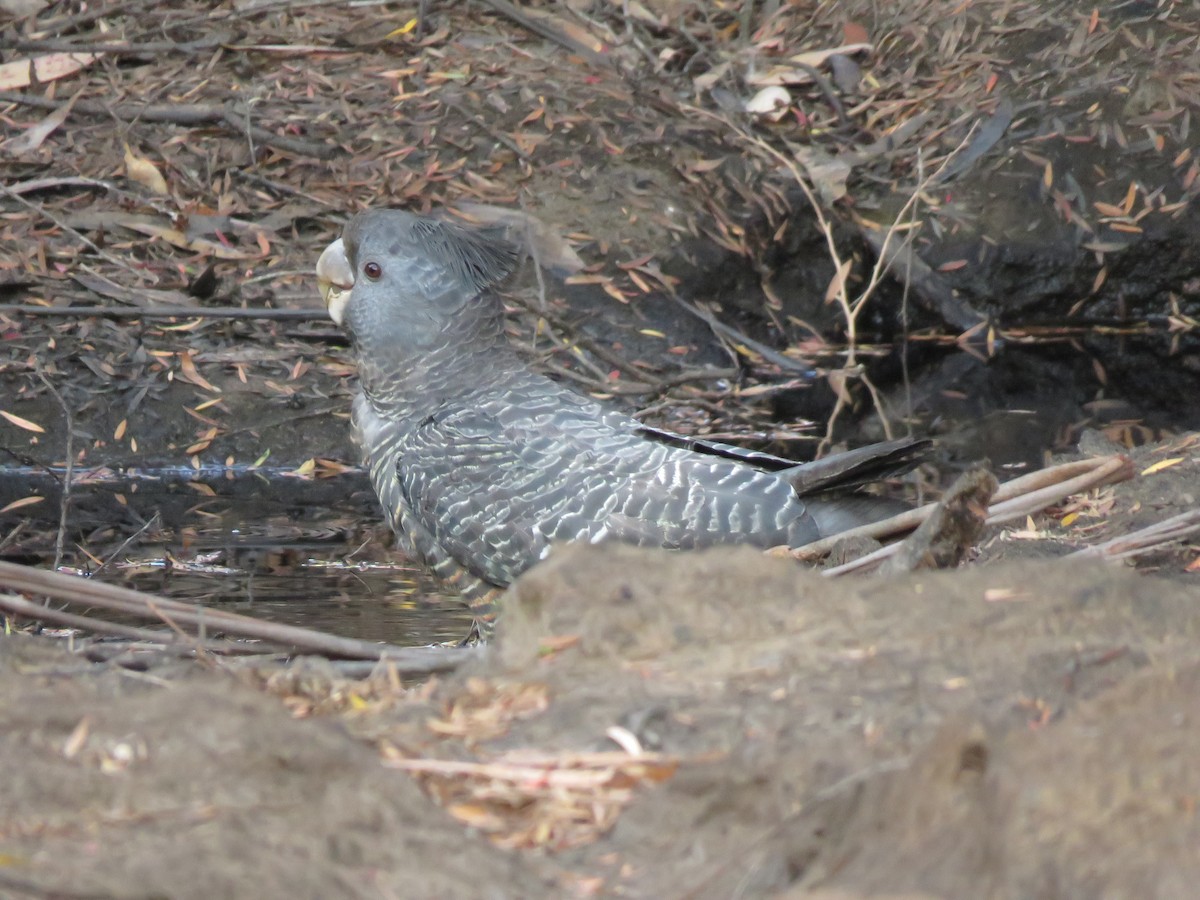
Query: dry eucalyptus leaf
(144, 172)
(799, 74)
(51, 67)
(22, 422)
(827, 173)
(35, 136)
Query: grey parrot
(481, 463)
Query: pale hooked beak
(335, 279)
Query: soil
(649, 724)
(645, 724)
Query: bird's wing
(767, 461)
(494, 497)
(837, 472)
(496, 494)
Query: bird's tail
(857, 467)
(835, 515)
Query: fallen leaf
(189, 372)
(152, 227)
(812, 59)
(202, 444)
(837, 383)
(144, 172)
(1130, 196)
(1162, 464)
(572, 33)
(53, 66)
(140, 296)
(23, 423)
(636, 10)
(77, 739)
(853, 33)
(837, 283)
(476, 816)
(21, 504)
(403, 29)
(711, 77)
(36, 135)
(1005, 595)
(828, 173)
(20, 9)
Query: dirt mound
(121, 786)
(819, 708)
(653, 724)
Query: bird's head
(403, 277)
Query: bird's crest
(480, 258)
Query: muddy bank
(991, 733)
(921, 735)
(650, 724)
(200, 787)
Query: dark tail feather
(857, 467)
(835, 515)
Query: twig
(883, 262)
(1108, 470)
(11, 537)
(905, 264)
(656, 387)
(944, 539)
(181, 312)
(546, 30)
(878, 404)
(739, 338)
(1016, 498)
(71, 589)
(1145, 540)
(653, 383)
(825, 86)
(68, 475)
(120, 48)
(153, 520)
(247, 11)
(73, 23)
(19, 606)
(183, 115)
(531, 245)
(35, 185)
(42, 211)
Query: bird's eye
(373, 270)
